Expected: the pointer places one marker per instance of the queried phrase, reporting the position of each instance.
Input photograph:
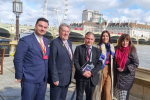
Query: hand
(120, 69)
(56, 83)
(87, 74)
(18, 81)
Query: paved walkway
(9, 90)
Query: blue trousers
(58, 92)
(31, 91)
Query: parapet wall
(141, 87)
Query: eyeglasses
(65, 31)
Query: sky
(112, 10)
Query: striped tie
(43, 47)
(69, 50)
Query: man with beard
(31, 62)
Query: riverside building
(94, 22)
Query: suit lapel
(70, 47)
(84, 52)
(37, 43)
(63, 46)
(93, 54)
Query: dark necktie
(88, 54)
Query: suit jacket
(60, 64)
(28, 60)
(80, 58)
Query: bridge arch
(4, 32)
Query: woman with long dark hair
(104, 89)
(126, 62)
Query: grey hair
(63, 24)
(89, 33)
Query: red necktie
(88, 54)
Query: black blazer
(80, 59)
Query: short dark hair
(100, 41)
(89, 33)
(42, 19)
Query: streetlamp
(17, 9)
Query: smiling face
(41, 28)
(89, 40)
(64, 33)
(125, 43)
(105, 38)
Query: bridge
(114, 37)
(12, 28)
(8, 30)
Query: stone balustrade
(141, 87)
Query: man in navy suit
(31, 62)
(60, 64)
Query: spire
(100, 19)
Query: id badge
(45, 57)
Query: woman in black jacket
(126, 63)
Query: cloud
(130, 13)
(99, 4)
(111, 9)
(126, 14)
(6, 12)
(141, 3)
(146, 17)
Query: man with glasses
(60, 64)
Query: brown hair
(100, 41)
(132, 48)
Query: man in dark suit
(60, 64)
(31, 62)
(86, 80)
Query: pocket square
(48, 45)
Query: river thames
(142, 50)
